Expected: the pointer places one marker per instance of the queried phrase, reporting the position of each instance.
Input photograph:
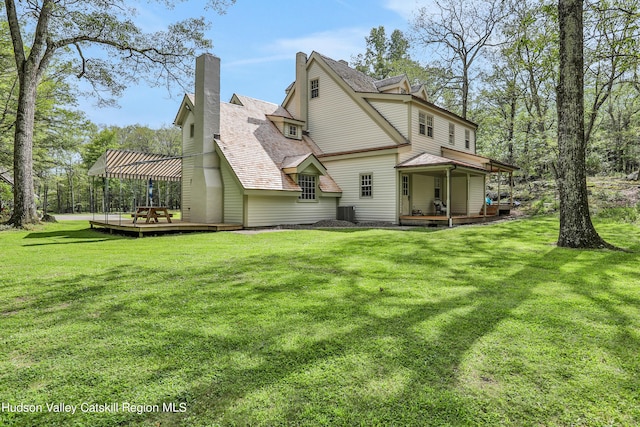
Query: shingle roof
(358, 81)
(426, 159)
(5, 176)
(257, 151)
(389, 81)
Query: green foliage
(6, 197)
(543, 206)
(384, 328)
(516, 109)
(629, 215)
(389, 56)
(385, 56)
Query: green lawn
(485, 325)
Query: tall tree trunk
(24, 211)
(465, 89)
(45, 201)
(576, 228)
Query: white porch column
(499, 189)
(511, 190)
(449, 197)
(484, 205)
(468, 195)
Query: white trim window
(467, 139)
(308, 185)
(315, 88)
(425, 124)
(405, 185)
(452, 134)
(292, 130)
(366, 185)
(437, 188)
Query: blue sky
(257, 41)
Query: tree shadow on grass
(66, 237)
(336, 337)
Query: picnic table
(151, 213)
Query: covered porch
(438, 190)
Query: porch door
(406, 196)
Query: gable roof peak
(389, 81)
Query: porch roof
(426, 159)
(487, 163)
(5, 176)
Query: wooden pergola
(133, 165)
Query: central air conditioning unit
(346, 213)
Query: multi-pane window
(315, 88)
(366, 185)
(452, 134)
(425, 124)
(293, 130)
(436, 186)
(308, 185)
(467, 139)
(405, 185)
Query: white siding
(232, 197)
(383, 206)
(459, 195)
(265, 211)
(477, 194)
(431, 145)
(336, 122)
(187, 168)
(396, 113)
(422, 193)
(292, 106)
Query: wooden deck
(176, 226)
(425, 220)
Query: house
(341, 144)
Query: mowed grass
(484, 325)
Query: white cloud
(337, 44)
(406, 8)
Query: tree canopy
(98, 41)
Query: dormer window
(288, 126)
